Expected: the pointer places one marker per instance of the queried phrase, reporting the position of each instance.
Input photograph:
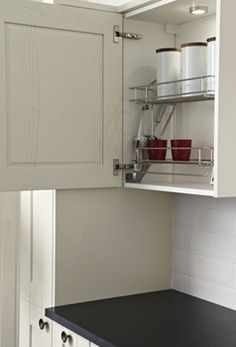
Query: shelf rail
(142, 163)
(147, 94)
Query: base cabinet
(41, 329)
(63, 337)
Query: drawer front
(63, 337)
(41, 331)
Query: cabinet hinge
(117, 167)
(118, 34)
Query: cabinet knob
(65, 337)
(43, 324)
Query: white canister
(193, 64)
(211, 64)
(168, 69)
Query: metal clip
(118, 34)
(117, 167)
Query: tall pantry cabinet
(61, 106)
(80, 245)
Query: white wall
(111, 242)
(204, 248)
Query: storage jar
(168, 69)
(193, 64)
(211, 64)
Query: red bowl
(181, 154)
(157, 154)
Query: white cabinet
(40, 329)
(37, 222)
(60, 97)
(210, 123)
(63, 128)
(63, 337)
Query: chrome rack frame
(142, 165)
(147, 94)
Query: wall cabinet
(63, 129)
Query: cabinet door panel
(40, 337)
(61, 98)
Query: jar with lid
(211, 64)
(168, 69)
(193, 64)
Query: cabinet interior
(168, 25)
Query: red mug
(181, 154)
(157, 154)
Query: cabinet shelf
(148, 94)
(188, 188)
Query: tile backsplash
(204, 248)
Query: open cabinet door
(60, 97)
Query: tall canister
(211, 64)
(193, 64)
(168, 69)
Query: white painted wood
(75, 341)
(72, 341)
(42, 248)
(225, 121)
(64, 127)
(132, 5)
(56, 336)
(25, 245)
(169, 11)
(24, 324)
(38, 337)
(86, 4)
(189, 188)
(8, 274)
(82, 342)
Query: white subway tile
(202, 243)
(234, 276)
(205, 290)
(218, 222)
(226, 248)
(204, 248)
(186, 217)
(177, 238)
(212, 270)
(202, 201)
(226, 204)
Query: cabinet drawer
(63, 337)
(82, 342)
(41, 334)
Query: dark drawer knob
(65, 338)
(42, 324)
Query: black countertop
(160, 319)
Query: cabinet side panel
(111, 242)
(8, 268)
(225, 125)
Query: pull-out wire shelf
(141, 158)
(142, 164)
(148, 94)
